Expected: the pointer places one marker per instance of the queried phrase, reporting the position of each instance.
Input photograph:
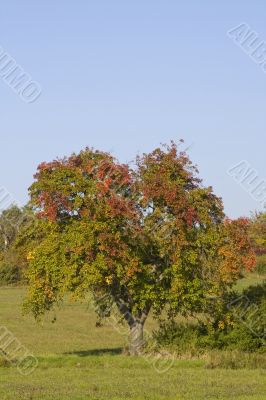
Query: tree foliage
(258, 236)
(152, 237)
(258, 232)
(13, 222)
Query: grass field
(250, 279)
(79, 361)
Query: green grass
(79, 361)
(249, 280)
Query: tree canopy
(151, 236)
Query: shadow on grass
(96, 352)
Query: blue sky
(125, 76)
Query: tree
(153, 237)
(12, 258)
(257, 233)
(10, 220)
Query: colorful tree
(153, 238)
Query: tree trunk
(136, 340)
(135, 323)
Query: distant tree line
(16, 225)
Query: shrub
(9, 274)
(239, 337)
(10, 269)
(199, 338)
(239, 325)
(182, 337)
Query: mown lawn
(79, 361)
